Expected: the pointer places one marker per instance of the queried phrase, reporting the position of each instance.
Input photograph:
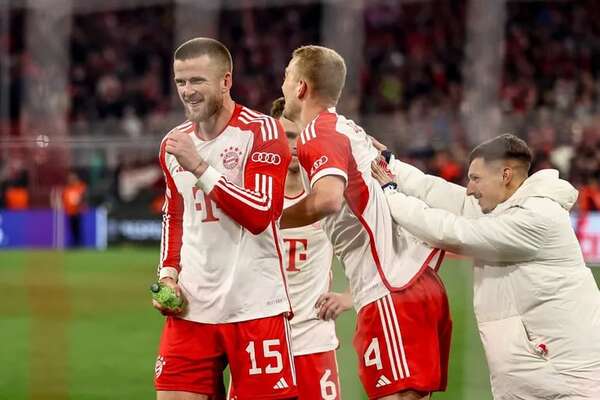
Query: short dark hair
(277, 108)
(201, 46)
(503, 147)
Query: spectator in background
(16, 197)
(73, 198)
(15, 187)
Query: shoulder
(186, 126)
(324, 126)
(263, 127)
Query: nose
(187, 89)
(470, 189)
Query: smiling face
(201, 84)
(488, 183)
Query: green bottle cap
(155, 288)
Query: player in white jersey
(403, 327)
(221, 248)
(309, 256)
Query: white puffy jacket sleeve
(433, 190)
(513, 236)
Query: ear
(302, 89)
(507, 175)
(227, 82)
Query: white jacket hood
(546, 183)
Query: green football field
(79, 325)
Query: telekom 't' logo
(297, 249)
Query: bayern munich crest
(231, 157)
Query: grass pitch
(79, 325)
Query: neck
(212, 127)
(293, 184)
(310, 112)
(514, 185)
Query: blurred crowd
(120, 79)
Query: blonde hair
(323, 68)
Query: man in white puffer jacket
(536, 303)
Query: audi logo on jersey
(318, 164)
(268, 158)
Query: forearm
(303, 213)
(252, 209)
(433, 190)
(498, 239)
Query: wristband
(390, 185)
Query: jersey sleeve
(323, 151)
(172, 223)
(260, 200)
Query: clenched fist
(180, 145)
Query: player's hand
(381, 172)
(168, 311)
(180, 145)
(330, 305)
(377, 144)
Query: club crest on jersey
(158, 367)
(318, 164)
(231, 157)
(179, 169)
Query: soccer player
(221, 248)
(403, 326)
(309, 255)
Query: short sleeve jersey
(378, 257)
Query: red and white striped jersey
(309, 255)
(378, 257)
(220, 232)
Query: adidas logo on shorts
(281, 384)
(383, 381)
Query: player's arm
(326, 198)
(260, 201)
(433, 190)
(324, 156)
(172, 232)
(514, 236)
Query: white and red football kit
(309, 256)
(220, 237)
(308, 269)
(382, 262)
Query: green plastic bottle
(166, 296)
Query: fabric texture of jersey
(378, 257)
(308, 270)
(192, 357)
(220, 232)
(403, 339)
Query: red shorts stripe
(403, 339)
